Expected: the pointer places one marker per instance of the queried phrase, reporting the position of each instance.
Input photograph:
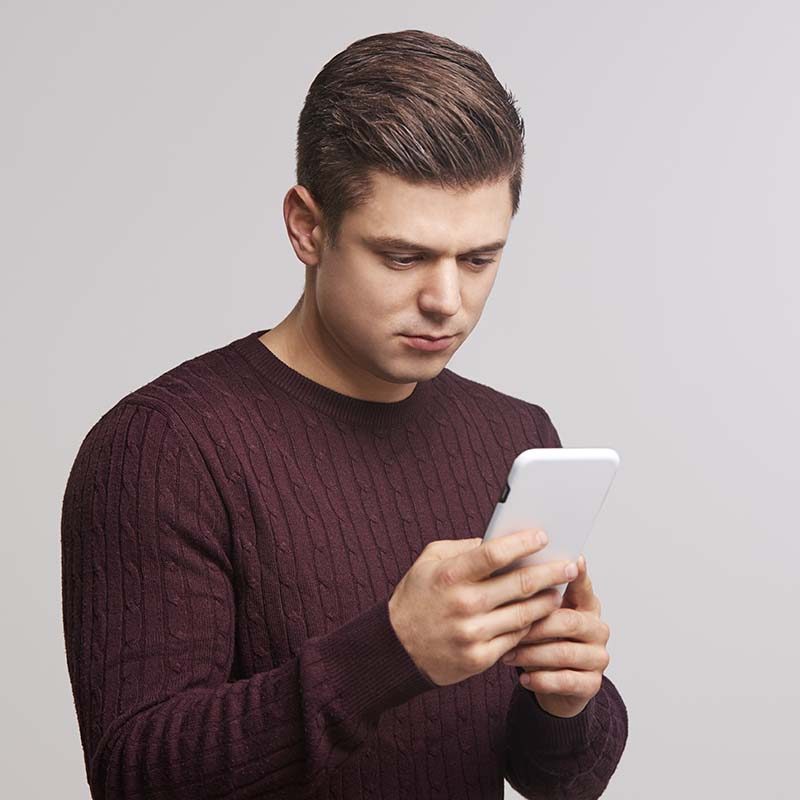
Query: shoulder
(191, 400)
(207, 395)
(197, 385)
(501, 408)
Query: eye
(407, 261)
(402, 261)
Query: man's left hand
(567, 673)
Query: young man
(273, 578)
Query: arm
(551, 756)
(148, 613)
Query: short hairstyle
(411, 104)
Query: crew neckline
(343, 407)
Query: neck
(302, 342)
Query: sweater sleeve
(551, 756)
(148, 614)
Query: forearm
(279, 731)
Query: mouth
(428, 337)
(429, 343)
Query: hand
(455, 618)
(566, 672)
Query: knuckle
(432, 548)
(526, 614)
(493, 554)
(466, 632)
(606, 629)
(463, 602)
(473, 660)
(526, 581)
(447, 576)
(480, 600)
(521, 616)
(606, 659)
(564, 652)
(572, 619)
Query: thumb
(579, 593)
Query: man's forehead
(404, 216)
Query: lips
(429, 345)
(428, 336)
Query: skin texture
(344, 333)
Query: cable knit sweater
(231, 533)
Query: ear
(303, 220)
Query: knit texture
(231, 533)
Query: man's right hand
(456, 619)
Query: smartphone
(558, 489)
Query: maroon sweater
(231, 533)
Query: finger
(566, 682)
(565, 623)
(580, 594)
(558, 655)
(523, 582)
(517, 617)
(509, 639)
(480, 562)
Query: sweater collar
(343, 407)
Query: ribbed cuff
(367, 667)
(538, 731)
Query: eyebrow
(396, 243)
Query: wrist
(403, 631)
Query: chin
(433, 369)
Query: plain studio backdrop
(648, 298)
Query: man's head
(410, 136)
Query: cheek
(362, 298)
(481, 289)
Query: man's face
(369, 293)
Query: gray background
(648, 299)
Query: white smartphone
(558, 489)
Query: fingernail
(508, 657)
(542, 537)
(571, 570)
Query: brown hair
(411, 104)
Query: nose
(441, 290)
